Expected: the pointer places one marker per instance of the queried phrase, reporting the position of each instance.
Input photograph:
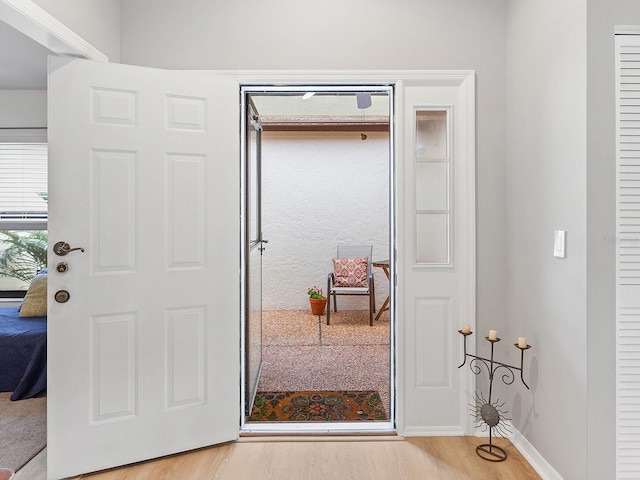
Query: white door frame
(324, 427)
(406, 368)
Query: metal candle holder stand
(489, 412)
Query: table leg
(384, 308)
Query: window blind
(23, 186)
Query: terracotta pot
(317, 306)
(6, 474)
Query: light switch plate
(560, 244)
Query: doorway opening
(317, 176)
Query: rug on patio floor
(317, 406)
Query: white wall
(321, 189)
(96, 21)
(23, 108)
(601, 201)
(547, 190)
(570, 314)
(359, 34)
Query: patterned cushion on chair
(350, 272)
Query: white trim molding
(30, 19)
(434, 78)
(627, 29)
(23, 135)
(528, 451)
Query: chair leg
(371, 309)
(373, 296)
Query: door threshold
(329, 437)
(324, 428)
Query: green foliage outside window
(22, 253)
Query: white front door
(144, 175)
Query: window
(23, 215)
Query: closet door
(628, 256)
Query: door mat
(317, 406)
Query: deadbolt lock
(62, 296)
(62, 267)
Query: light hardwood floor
(415, 458)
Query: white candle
(466, 328)
(493, 334)
(522, 342)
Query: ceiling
(23, 66)
(23, 61)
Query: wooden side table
(384, 265)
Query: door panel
(143, 358)
(436, 257)
(253, 327)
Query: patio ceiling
(323, 111)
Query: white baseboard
(537, 461)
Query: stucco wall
(321, 189)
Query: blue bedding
(23, 354)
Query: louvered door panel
(628, 256)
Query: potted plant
(317, 300)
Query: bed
(23, 354)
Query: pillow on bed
(35, 301)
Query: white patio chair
(351, 276)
